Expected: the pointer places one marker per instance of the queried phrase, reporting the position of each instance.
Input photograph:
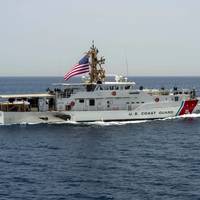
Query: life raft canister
(157, 99)
(114, 93)
(72, 103)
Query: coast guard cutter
(96, 100)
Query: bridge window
(116, 88)
(127, 87)
(92, 102)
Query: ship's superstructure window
(90, 87)
(81, 100)
(127, 87)
(134, 92)
(11, 100)
(176, 98)
(113, 87)
(129, 107)
(92, 102)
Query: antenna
(126, 62)
(93, 44)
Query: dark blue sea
(157, 159)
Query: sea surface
(157, 159)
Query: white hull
(78, 116)
(28, 117)
(142, 113)
(145, 112)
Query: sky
(137, 37)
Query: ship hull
(119, 115)
(7, 118)
(147, 111)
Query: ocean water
(157, 159)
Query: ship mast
(97, 73)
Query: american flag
(80, 68)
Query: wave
(101, 123)
(186, 116)
(111, 123)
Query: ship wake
(186, 116)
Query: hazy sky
(46, 37)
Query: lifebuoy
(114, 93)
(72, 103)
(157, 99)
